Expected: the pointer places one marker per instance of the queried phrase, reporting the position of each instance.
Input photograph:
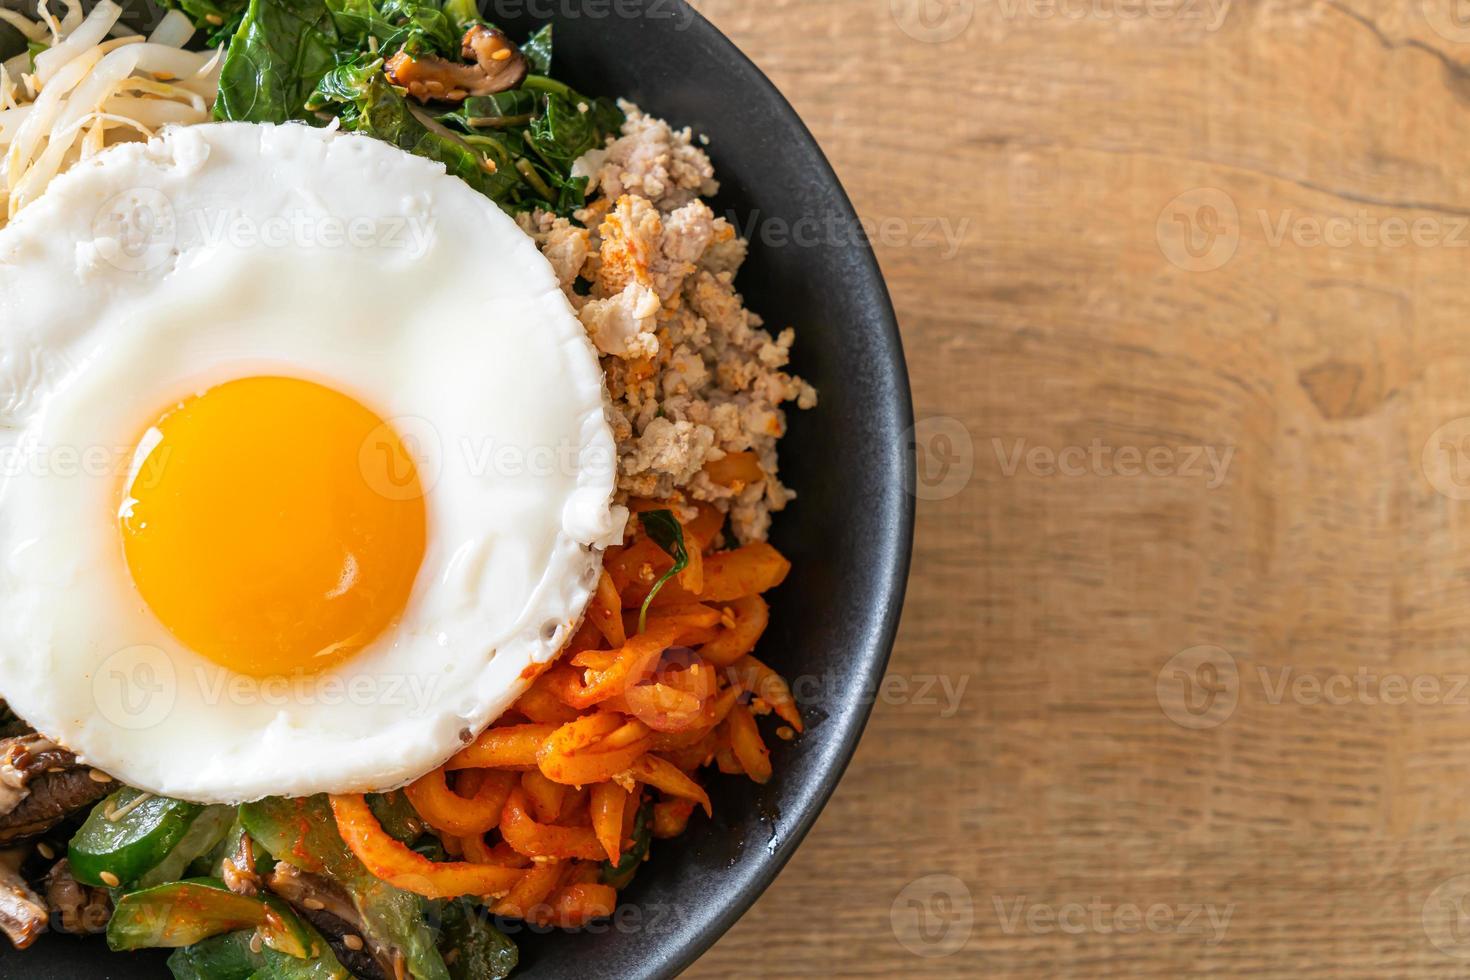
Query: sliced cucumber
(127, 835)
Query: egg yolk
(273, 525)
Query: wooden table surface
(1183, 683)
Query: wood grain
(1241, 228)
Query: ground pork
(692, 374)
(650, 160)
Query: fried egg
(306, 468)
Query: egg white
(152, 272)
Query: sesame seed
(44, 849)
(502, 55)
(256, 942)
(352, 942)
(98, 776)
(315, 904)
(785, 733)
(109, 879)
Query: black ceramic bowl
(848, 534)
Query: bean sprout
(95, 82)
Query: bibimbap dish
(390, 460)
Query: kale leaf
(275, 61)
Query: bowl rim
(897, 545)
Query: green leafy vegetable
(182, 913)
(275, 60)
(311, 60)
(225, 957)
(563, 132)
(502, 110)
(217, 20)
(665, 531)
(230, 957)
(127, 835)
(482, 162)
(419, 26)
(346, 83)
(479, 950)
(537, 50)
(619, 875)
(303, 832)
